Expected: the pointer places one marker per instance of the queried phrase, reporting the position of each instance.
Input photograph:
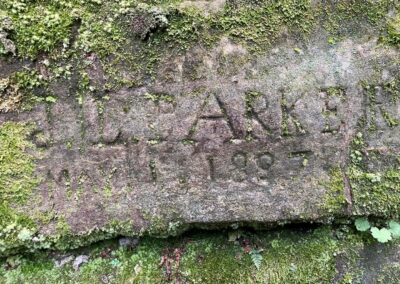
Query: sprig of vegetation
(382, 235)
(256, 258)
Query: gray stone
(205, 159)
(79, 260)
(63, 260)
(6, 26)
(265, 165)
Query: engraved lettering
(240, 160)
(256, 126)
(291, 125)
(212, 123)
(265, 160)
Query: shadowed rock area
(298, 123)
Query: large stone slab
(231, 137)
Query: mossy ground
(297, 255)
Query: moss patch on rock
(375, 193)
(17, 182)
(335, 200)
(17, 178)
(393, 31)
(287, 256)
(135, 36)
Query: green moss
(159, 97)
(75, 29)
(103, 36)
(289, 256)
(375, 192)
(373, 176)
(17, 182)
(392, 88)
(159, 227)
(393, 31)
(17, 91)
(335, 200)
(39, 27)
(17, 178)
(260, 24)
(187, 27)
(372, 12)
(389, 273)
(16, 229)
(66, 239)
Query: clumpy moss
(373, 175)
(288, 256)
(17, 178)
(335, 200)
(133, 38)
(17, 182)
(16, 229)
(372, 12)
(376, 193)
(284, 259)
(259, 25)
(99, 35)
(390, 273)
(108, 28)
(17, 90)
(393, 31)
(39, 28)
(187, 27)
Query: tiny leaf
(362, 224)
(394, 228)
(256, 258)
(382, 235)
(50, 99)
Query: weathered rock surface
(220, 136)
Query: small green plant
(394, 229)
(256, 258)
(50, 99)
(382, 235)
(362, 224)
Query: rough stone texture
(229, 137)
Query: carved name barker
(209, 116)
